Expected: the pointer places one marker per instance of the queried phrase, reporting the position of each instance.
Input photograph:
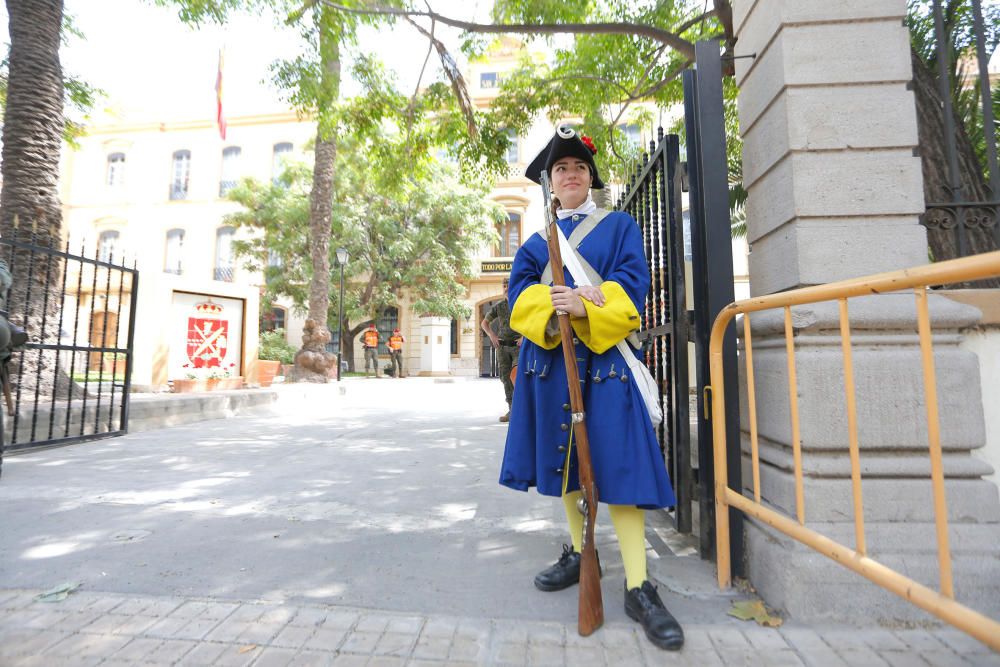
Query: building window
(224, 254)
(279, 160)
(510, 235)
(230, 169)
(181, 174)
(387, 320)
(107, 245)
(273, 319)
(116, 170)
(172, 262)
(513, 149)
(489, 80)
(454, 337)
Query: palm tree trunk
(313, 362)
(32, 126)
(29, 201)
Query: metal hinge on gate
(707, 398)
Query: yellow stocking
(630, 526)
(574, 518)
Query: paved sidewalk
(112, 629)
(333, 531)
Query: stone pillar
(835, 191)
(435, 346)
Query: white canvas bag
(643, 378)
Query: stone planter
(266, 370)
(189, 385)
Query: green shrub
(274, 347)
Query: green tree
(33, 92)
(78, 95)
(963, 87)
(32, 139)
(624, 52)
(33, 119)
(415, 234)
(630, 51)
(311, 83)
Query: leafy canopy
(412, 233)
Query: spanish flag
(219, 117)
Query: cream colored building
(152, 195)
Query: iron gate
(654, 199)
(70, 382)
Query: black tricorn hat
(565, 143)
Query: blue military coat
(628, 466)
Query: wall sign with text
(489, 266)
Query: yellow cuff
(605, 325)
(530, 314)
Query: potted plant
(272, 352)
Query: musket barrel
(591, 607)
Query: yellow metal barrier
(941, 604)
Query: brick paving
(109, 629)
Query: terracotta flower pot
(266, 370)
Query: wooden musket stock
(591, 609)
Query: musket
(591, 607)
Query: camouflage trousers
(371, 358)
(397, 362)
(506, 360)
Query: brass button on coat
(566, 407)
(564, 427)
(562, 448)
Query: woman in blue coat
(628, 466)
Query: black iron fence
(71, 380)
(653, 198)
(962, 213)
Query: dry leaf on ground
(747, 610)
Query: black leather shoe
(643, 604)
(563, 574)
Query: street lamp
(342, 261)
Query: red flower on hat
(589, 143)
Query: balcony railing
(224, 273)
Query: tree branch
(454, 75)
(656, 87)
(665, 37)
(687, 25)
(588, 77)
(724, 10)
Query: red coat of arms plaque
(207, 337)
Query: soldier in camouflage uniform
(505, 340)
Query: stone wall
(835, 191)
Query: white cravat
(586, 208)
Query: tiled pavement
(90, 628)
